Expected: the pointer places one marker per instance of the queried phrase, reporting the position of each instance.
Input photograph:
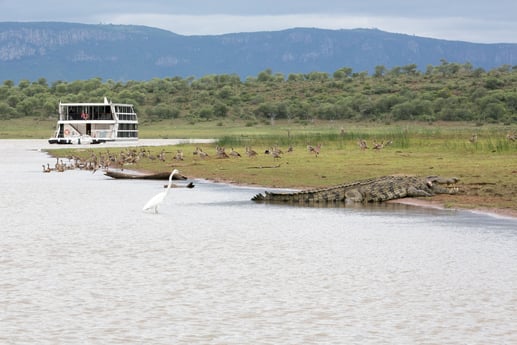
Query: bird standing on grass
(158, 198)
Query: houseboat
(94, 123)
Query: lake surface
(80, 263)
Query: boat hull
(76, 141)
(135, 175)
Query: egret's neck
(170, 183)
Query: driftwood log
(143, 176)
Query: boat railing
(75, 129)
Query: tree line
(446, 92)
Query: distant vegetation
(447, 92)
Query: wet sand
(439, 205)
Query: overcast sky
(466, 20)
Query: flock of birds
(129, 156)
(220, 152)
(104, 160)
(375, 146)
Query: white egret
(158, 198)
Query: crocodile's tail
(259, 197)
(276, 197)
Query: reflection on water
(81, 263)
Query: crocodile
(366, 191)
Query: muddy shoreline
(437, 202)
(430, 203)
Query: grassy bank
(487, 166)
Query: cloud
(477, 21)
(450, 28)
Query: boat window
(101, 113)
(127, 130)
(87, 112)
(73, 112)
(125, 113)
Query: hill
(69, 51)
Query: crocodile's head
(441, 185)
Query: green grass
(27, 128)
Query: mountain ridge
(74, 51)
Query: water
(80, 263)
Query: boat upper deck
(97, 112)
